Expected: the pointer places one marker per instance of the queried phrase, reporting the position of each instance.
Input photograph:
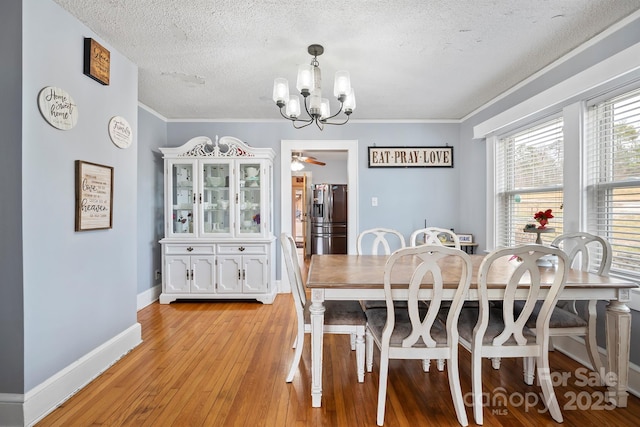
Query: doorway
(299, 214)
(286, 199)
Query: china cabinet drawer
(242, 249)
(189, 249)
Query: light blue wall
(334, 172)
(152, 133)
(79, 287)
(11, 297)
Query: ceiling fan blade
(313, 161)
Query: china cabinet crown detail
(219, 241)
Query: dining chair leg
(299, 344)
(528, 366)
(476, 385)
(369, 350)
(360, 353)
(382, 385)
(495, 363)
(546, 384)
(353, 342)
(456, 390)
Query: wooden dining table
(360, 277)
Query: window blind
(529, 179)
(613, 178)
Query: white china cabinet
(219, 241)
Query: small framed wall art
(97, 61)
(411, 157)
(465, 238)
(94, 196)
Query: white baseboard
(574, 348)
(149, 296)
(27, 409)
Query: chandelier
(309, 84)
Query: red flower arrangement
(543, 218)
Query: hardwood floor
(225, 363)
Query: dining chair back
(432, 237)
(413, 333)
(340, 317)
(586, 252)
(498, 331)
(381, 240)
(377, 241)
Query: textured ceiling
(408, 59)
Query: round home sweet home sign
(58, 108)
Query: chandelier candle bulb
(293, 107)
(350, 102)
(325, 110)
(315, 104)
(342, 84)
(280, 91)
(305, 79)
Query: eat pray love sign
(410, 157)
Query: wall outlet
(158, 275)
(374, 201)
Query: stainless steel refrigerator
(329, 219)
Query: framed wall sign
(465, 238)
(120, 132)
(410, 157)
(94, 196)
(97, 61)
(58, 108)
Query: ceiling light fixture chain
(309, 84)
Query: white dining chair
(412, 333)
(377, 241)
(340, 317)
(491, 331)
(586, 252)
(432, 237)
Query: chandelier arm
(288, 118)
(306, 123)
(339, 111)
(337, 124)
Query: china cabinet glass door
(217, 198)
(250, 197)
(183, 188)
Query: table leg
(317, 329)
(618, 321)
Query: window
(528, 179)
(613, 178)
